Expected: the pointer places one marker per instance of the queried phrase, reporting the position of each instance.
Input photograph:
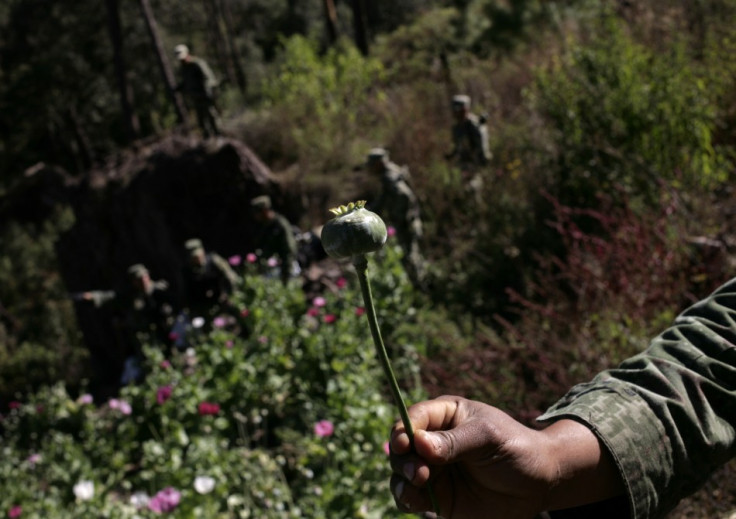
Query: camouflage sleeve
(667, 415)
(101, 297)
(228, 274)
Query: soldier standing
(198, 83)
(147, 315)
(208, 280)
(400, 207)
(276, 238)
(470, 143)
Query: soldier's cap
(181, 51)
(460, 100)
(261, 202)
(138, 270)
(193, 245)
(377, 154)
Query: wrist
(584, 471)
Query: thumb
(475, 434)
(441, 447)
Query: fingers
(430, 415)
(409, 498)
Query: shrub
(288, 422)
(621, 114)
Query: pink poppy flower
(272, 262)
(235, 260)
(85, 399)
(324, 428)
(360, 311)
(319, 301)
(219, 322)
(341, 283)
(391, 231)
(251, 258)
(120, 405)
(165, 364)
(229, 344)
(329, 318)
(33, 459)
(208, 408)
(163, 394)
(165, 500)
(263, 339)
(15, 512)
(312, 311)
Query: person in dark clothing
(198, 84)
(208, 280)
(146, 315)
(276, 238)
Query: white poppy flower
(204, 484)
(84, 490)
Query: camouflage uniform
(667, 415)
(207, 286)
(399, 206)
(198, 84)
(276, 238)
(147, 312)
(470, 144)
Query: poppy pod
(353, 231)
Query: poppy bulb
(353, 231)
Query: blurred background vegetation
(609, 204)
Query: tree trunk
(219, 14)
(163, 63)
(130, 119)
(226, 15)
(218, 40)
(360, 23)
(331, 21)
(81, 140)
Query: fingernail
(409, 471)
(399, 490)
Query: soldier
(400, 207)
(198, 83)
(147, 315)
(208, 280)
(631, 442)
(276, 238)
(470, 143)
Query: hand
(483, 463)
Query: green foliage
(305, 361)
(39, 340)
(320, 94)
(620, 114)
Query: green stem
(361, 264)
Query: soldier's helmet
(377, 155)
(261, 202)
(137, 271)
(460, 101)
(181, 51)
(193, 245)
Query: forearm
(586, 472)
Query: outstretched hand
(483, 463)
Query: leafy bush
(39, 339)
(620, 114)
(289, 422)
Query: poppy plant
(353, 233)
